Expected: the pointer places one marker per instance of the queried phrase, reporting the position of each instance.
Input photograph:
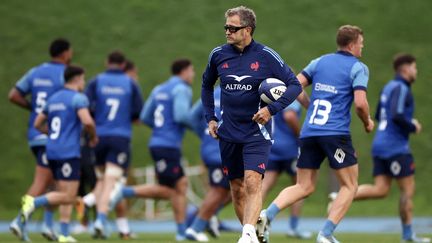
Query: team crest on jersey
(255, 66)
(238, 78)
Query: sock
(181, 229)
(329, 227)
(406, 231)
(48, 218)
(128, 192)
(248, 229)
(40, 201)
(199, 224)
(293, 221)
(64, 228)
(272, 211)
(89, 199)
(102, 217)
(123, 225)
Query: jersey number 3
(321, 111)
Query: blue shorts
(217, 177)
(338, 149)
(114, 150)
(238, 157)
(167, 165)
(66, 169)
(398, 166)
(40, 154)
(289, 166)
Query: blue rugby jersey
(394, 113)
(115, 101)
(285, 144)
(40, 82)
(210, 152)
(333, 78)
(64, 125)
(167, 112)
(240, 75)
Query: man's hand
(262, 116)
(213, 127)
(94, 141)
(369, 126)
(417, 125)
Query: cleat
(415, 238)
(48, 233)
(299, 234)
(247, 238)
(191, 234)
(100, 230)
(127, 236)
(213, 227)
(326, 239)
(263, 227)
(332, 196)
(27, 208)
(68, 238)
(116, 195)
(17, 228)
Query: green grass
(230, 237)
(154, 32)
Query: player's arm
(137, 102)
(40, 123)
(197, 122)
(303, 98)
(89, 125)
(147, 112)
(17, 98)
(90, 92)
(182, 104)
(397, 102)
(360, 77)
(207, 94)
(292, 120)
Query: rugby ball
(271, 89)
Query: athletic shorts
(217, 177)
(238, 157)
(398, 166)
(289, 166)
(39, 153)
(113, 149)
(66, 169)
(338, 149)
(167, 165)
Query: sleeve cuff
(211, 118)
(22, 93)
(308, 77)
(360, 88)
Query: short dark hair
(116, 57)
(402, 59)
(71, 72)
(58, 46)
(347, 34)
(247, 16)
(179, 65)
(129, 66)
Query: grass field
(154, 32)
(230, 237)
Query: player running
(244, 128)
(167, 112)
(283, 158)
(40, 82)
(115, 101)
(61, 119)
(337, 79)
(390, 149)
(219, 192)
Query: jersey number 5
(158, 116)
(321, 111)
(40, 101)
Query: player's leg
(407, 189)
(215, 197)
(343, 161)
(296, 210)
(238, 197)
(269, 181)
(70, 188)
(122, 220)
(379, 189)
(179, 204)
